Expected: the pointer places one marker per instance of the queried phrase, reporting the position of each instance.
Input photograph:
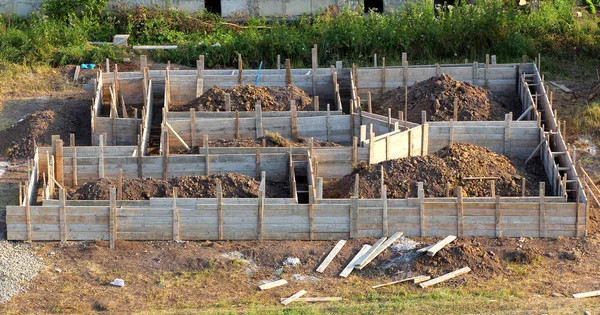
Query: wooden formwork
(374, 138)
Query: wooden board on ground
(417, 279)
(317, 299)
(439, 245)
(273, 284)
(381, 248)
(445, 277)
(294, 297)
(586, 294)
(331, 256)
(352, 263)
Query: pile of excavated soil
(474, 103)
(233, 185)
(271, 140)
(451, 164)
(18, 141)
(245, 98)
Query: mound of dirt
(245, 97)
(473, 102)
(18, 141)
(453, 164)
(233, 185)
(270, 139)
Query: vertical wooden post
(261, 214)
(354, 212)
(475, 72)
(200, 76)
(328, 125)
(120, 185)
(74, 172)
(375, 60)
(227, 102)
(139, 157)
(405, 71)
(58, 157)
(422, 214)
(193, 126)
(207, 156)
(498, 218)
(294, 117)
(220, 210)
(543, 232)
(113, 218)
(107, 65)
(316, 105)
(493, 59)
(493, 188)
(507, 121)
(288, 72)
(176, 218)
(405, 103)
(524, 187)
(460, 212)
(424, 139)
(354, 151)
(356, 184)
(240, 69)
(423, 117)
(371, 148)
(278, 62)
(237, 124)
(369, 103)
(455, 108)
(487, 69)
(143, 62)
(258, 121)
(384, 222)
(28, 212)
(382, 75)
(101, 157)
(311, 212)
(315, 67)
(319, 188)
(437, 69)
(258, 163)
(166, 154)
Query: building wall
(229, 8)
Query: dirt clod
(234, 186)
(245, 98)
(453, 164)
(437, 96)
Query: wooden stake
(113, 218)
(288, 72)
(120, 185)
(240, 66)
(220, 210)
(176, 219)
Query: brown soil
(245, 97)
(450, 164)
(18, 140)
(270, 140)
(474, 103)
(234, 186)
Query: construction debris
(586, 294)
(439, 245)
(273, 284)
(294, 297)
(317, 299)
(331, 256)
(352, 263)
(445, 277)
(417, 279)
(380, 249)
(370, 252)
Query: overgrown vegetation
(587, 120)
(58, 34)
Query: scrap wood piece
(586, 294)
(273, 284)
(294, 297)
(439, 245)
(370, 251)
(317, 299)
(424, 249)
(380, 250)
(560, 86)
(417, 279)
(331, 256)
(352, 263)
(445, 277)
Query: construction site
(462, 154)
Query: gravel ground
(18, 265)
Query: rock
(291, 261)
(303, 278)
(58, 270)
(536, 295)
(556, 294)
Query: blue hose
(258, 76)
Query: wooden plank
(331, 256)
(445, 277)
(352, 263)
(380, 249)
(294, 297)
(439, 245)
(417, 279)
(273, 284)
(586, 294)
(317, 299)
(370, 252)
(560, 86)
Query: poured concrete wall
(229, 8)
